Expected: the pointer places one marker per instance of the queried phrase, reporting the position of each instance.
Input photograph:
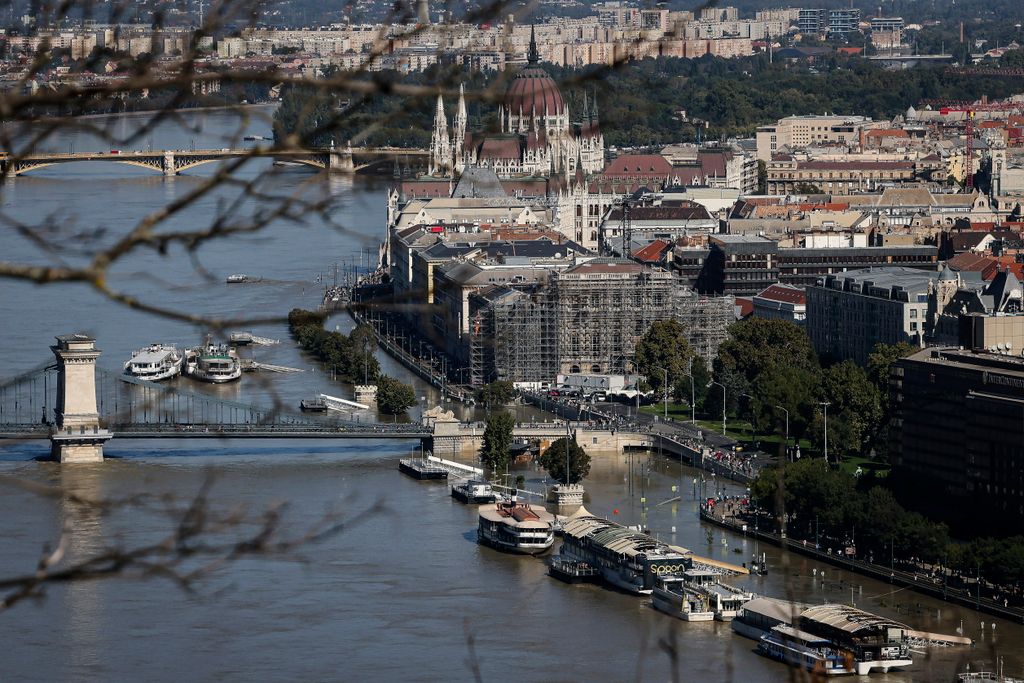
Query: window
(913, 313)
(913, 326)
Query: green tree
(757, 344)
(664, 347)
(497, 443)
(855, 402)
(792, 388)
(554, 461)
(497, 393)
(879, 365)
(394, 397)
(693, 387)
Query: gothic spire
(533, 57)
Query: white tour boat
(215, 363)
(155, 362)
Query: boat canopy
(776, 610)
(855, 622)
(615, 537)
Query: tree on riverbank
(496, 449)
(829, 503)
(394, 397)
(496, 393)
(555, 461)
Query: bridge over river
(171, 162)
(78, 406)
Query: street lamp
(787, 428)
(693, 394)
(825, 405)
(664, 388)
(723, 403)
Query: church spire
(533, 57)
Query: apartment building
(848, 313)
(794, 132)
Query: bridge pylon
(168, 166)
(340, 161)
(77, 437)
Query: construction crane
(970, 109)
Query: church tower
(440, 149)
(459, 133)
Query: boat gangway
(455, 468)
(247, 338)
(335, 403)
(255, 366)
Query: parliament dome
(534, 90)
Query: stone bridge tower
(77, 436)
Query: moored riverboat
(674, 596)
(155, 363)
(421, 468)
(214, 363)
(474, 492)
(572, 571)
(627, 559)
(839, 639)
(516, 527)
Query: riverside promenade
(915, 581)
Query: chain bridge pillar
(77, 436)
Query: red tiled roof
(653, 252)
(426, 188)
(887, 133)
(746, 306)
(971, 262)
(789, 295)
(639, 164)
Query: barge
(572, 571)
(674, 596)
(474, 492)
(420, 468)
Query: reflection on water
(84, 536)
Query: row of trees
(837, 509)
(768, 367)
(350, 358)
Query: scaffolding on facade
(603, 309)
(705, 320)
(525, 338)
